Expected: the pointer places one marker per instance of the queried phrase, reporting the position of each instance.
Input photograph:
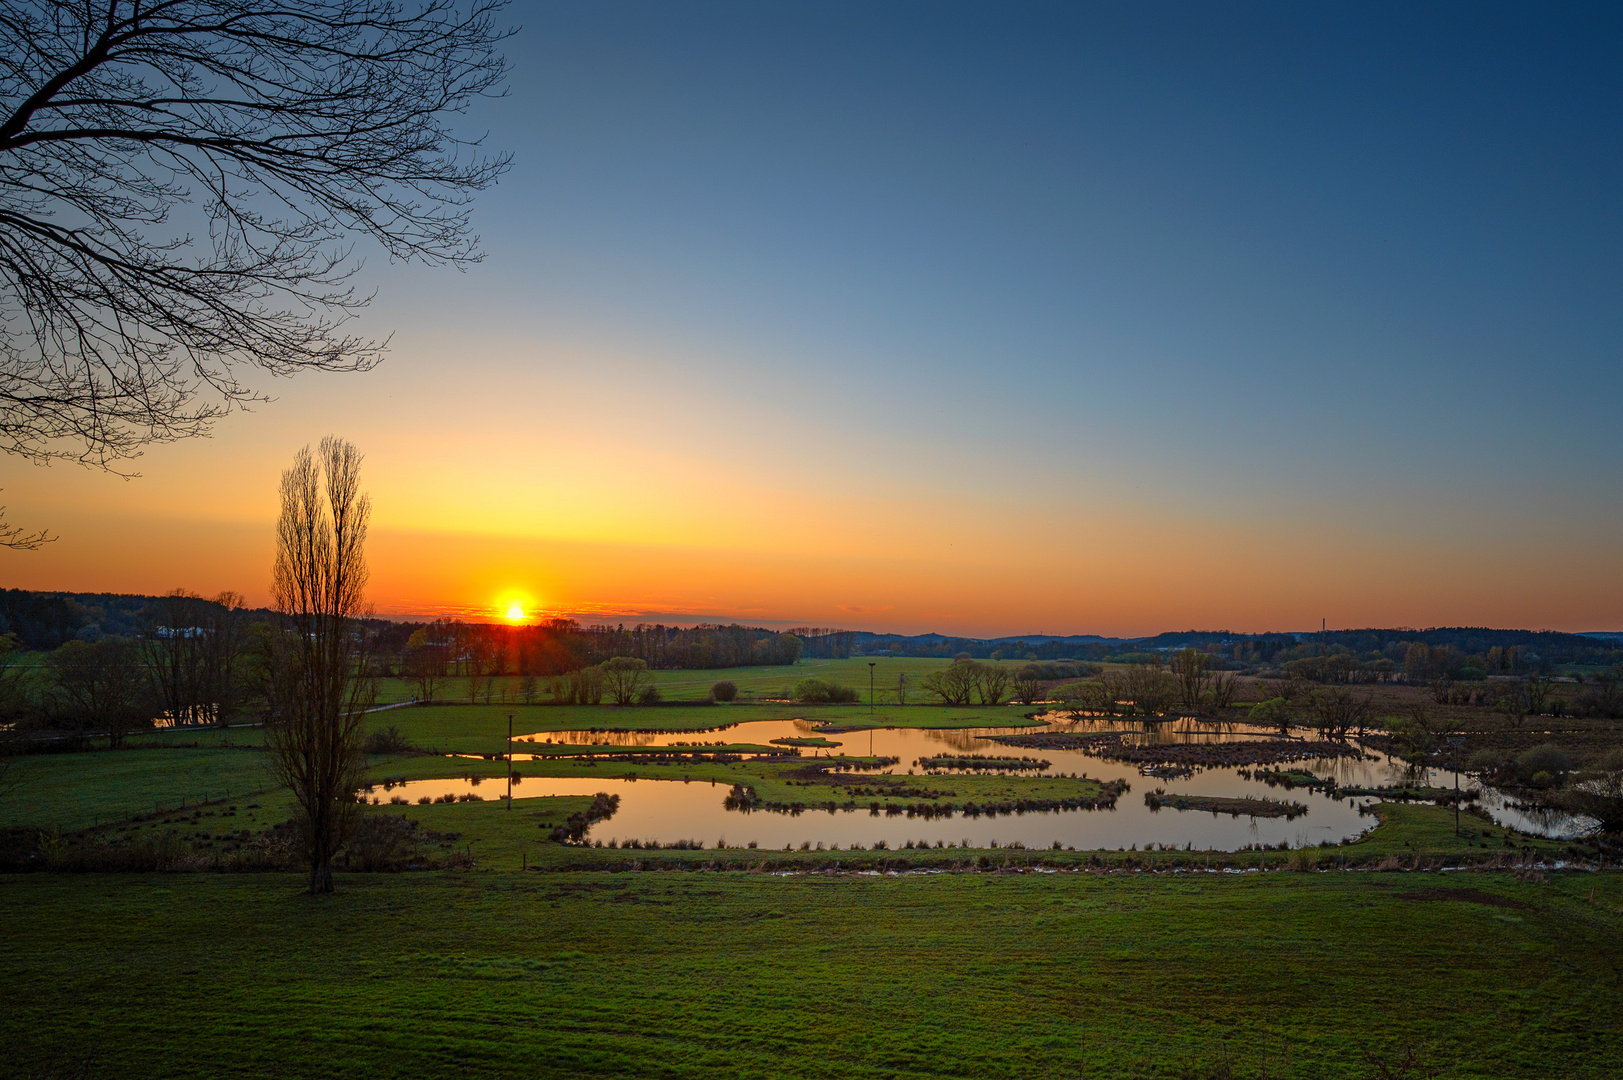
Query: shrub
(19, 848)
(1055, 671)
(1546, 758)
(1487, 763)
(723, 691)
(1269, 712)
(377, 842)
(821, 692)
(650, 696)
(1153, 658)
(573, 831)
(387, 742)
(1598, 792)
(1084, 692)
(1096, 696)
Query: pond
(667, 811)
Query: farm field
(672, 974)
(752, 682)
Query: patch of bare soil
(1468, 896)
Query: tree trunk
(321, 878)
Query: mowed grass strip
(749, 975)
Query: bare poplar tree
(424, 663)
(318, 686)
(281, 133)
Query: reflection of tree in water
(1153, 730)
(619, 738)
(1528, 817)
(1557, 822)
(907, 743)
(969, 739)
(1359, 772)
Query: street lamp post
(870, 707)
(1456, 740)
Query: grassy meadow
(533, 958)
(754, 683)
(737, 974)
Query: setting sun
(515, 612)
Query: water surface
(668, 811)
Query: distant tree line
(559, 646)
(1517, 650)
(929, 646)
(1419, 662)
(825, 643)
(184, 659)
(1191, 680)
(42, 620)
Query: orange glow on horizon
(914, 567)
(515, 606)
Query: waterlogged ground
(672, 810)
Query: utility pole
(509, 761)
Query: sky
(981, 319)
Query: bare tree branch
(284, 132)
(19, 539)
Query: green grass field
(741, 962)
(677, 975)
(752, 682)
(76, 791)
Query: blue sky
(1322, 246)
(1283, 276)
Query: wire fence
(167, 805)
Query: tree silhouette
(317, 690)
(181, 185)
